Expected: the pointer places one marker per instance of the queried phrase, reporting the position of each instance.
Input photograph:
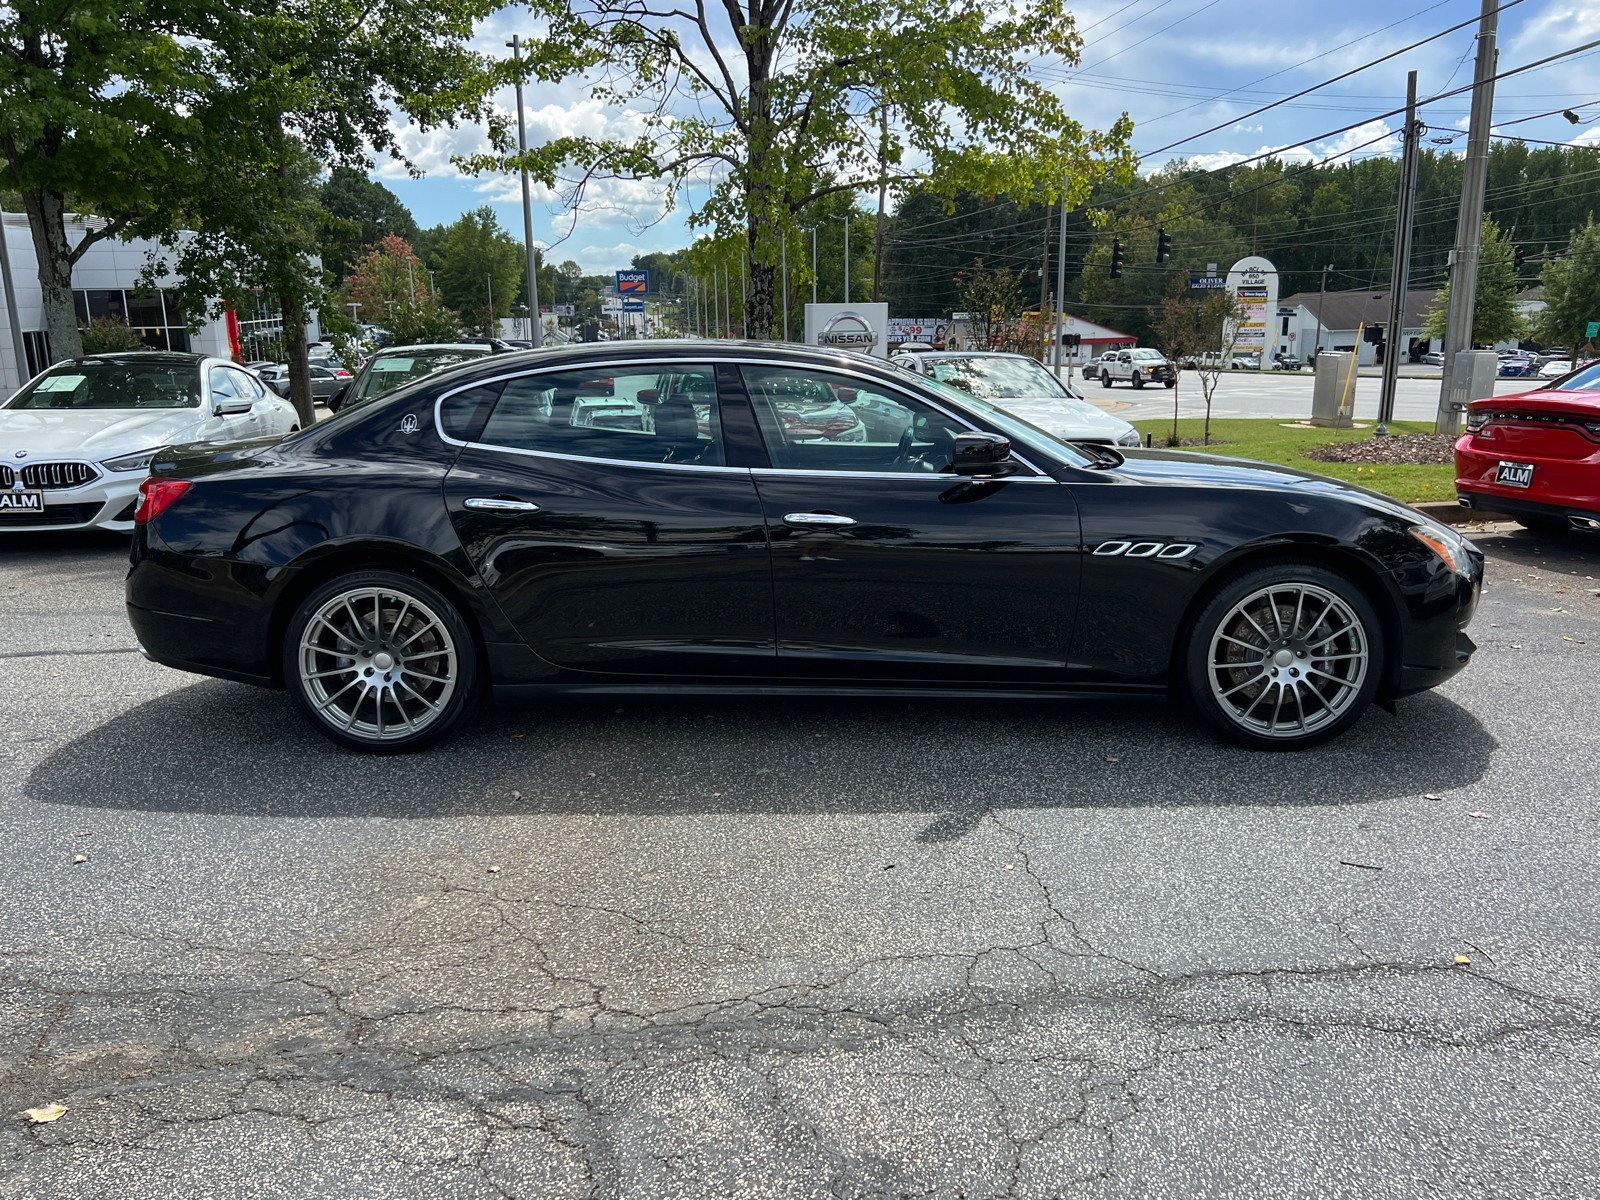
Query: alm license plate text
(12, 501)
(1514, 474)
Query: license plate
(1514, 474)
(13, 501)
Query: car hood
(1065, 418)
(1181, 468)
(97, 432)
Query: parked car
(1433, 358)
(1536, 455)
(1021, 386)
(77, 439)
(1245, 362)
(395, 366)
(462, 539)
(1137, 367)
(276, 377)
(1515, 368)
(1286, 362)
(1555, 368)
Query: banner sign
(633, 306)
(1254, 284)
(635, 283)
(929, 330)
(565, 310)
(1201, 282)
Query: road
(1284, 395)
(796, 949)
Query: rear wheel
(381, 662)
(1284, 656)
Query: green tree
(787, 103)
(1572, 290)
(106, 334)
(361, 213)
(1495, 317)
(1189, 328)
(95, 111)
(478, 261)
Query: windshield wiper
(1104, 456)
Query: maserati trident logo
(408, 423)
(848, 331)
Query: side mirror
(336, 400)
(233, 406)
(982, 454)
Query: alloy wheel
(377, 664)
(1288, 660)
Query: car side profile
(466, 537)
(1137, 366)
(77, 439)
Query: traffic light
(1373, 334)
(1163, 246)
(1116, 258)
(1518, 256)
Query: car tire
(1105, 378)
(1254, 639)
(1543, 524)
(348, 674)
(1172, 383)
(1138, 383)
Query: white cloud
(1589, 137)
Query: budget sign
(637, 282)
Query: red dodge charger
(1536, 455)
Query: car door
(232, 401)
(599, 507)
(887, 567)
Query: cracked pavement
(796, 948)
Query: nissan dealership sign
(859, 327)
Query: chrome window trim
(712, 360)
(605, 462)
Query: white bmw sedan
(1020, 386)
(78, 439)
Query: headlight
(139, 460)
(1450, 546)
(1131, 438)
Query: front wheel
(1172, 383)
(1105, 378)
(1284, 656)
(381, 662)
(1138, 382)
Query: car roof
(171, 357)
(972, 354)
(430, 346)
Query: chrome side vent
(58, 474)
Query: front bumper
(106, 503)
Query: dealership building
(105, 283)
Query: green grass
(1268, 441)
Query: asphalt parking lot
(830, 949)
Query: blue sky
(1166, 62)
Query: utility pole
(1401, 278)
(846, 219)
(1469, 224)
(527, 206)
(786, 286)
(1322, 298)
(489, 332)
(744, 294)
(813, 264)
(1044, 275)
(18, 345)
(1061, 282)
(883, 186)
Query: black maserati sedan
(736, 518)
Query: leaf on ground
(79, 858)
(1432, 796)
(1480, 815)
(519, 735)
(494, 870)
(45, 1114)
(1463, 961)
(516, 795)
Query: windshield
(1024, 434)
(390, 371)
(124, 384)
(1148, 355)
(1585, 379)
(996, 378)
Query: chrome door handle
(813, 519)
(503, 506)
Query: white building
(105, 282)
(1336, 318)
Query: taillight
(1477, 419)
(156, 496)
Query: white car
(1019, 385)
(77, 440)
(1555, 368)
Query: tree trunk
(761, 303)
(47, 219)
(293, 313)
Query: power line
(1326, 82)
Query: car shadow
(226, 749)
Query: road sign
(633, 306)
(1203, 282)
(564, 310)
(1594, 328)
(635, 283)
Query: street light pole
(1401, 274)
(1061, 283)
(813, 264)
(527, 204)
(1469, 225)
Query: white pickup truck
(1137, 367)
